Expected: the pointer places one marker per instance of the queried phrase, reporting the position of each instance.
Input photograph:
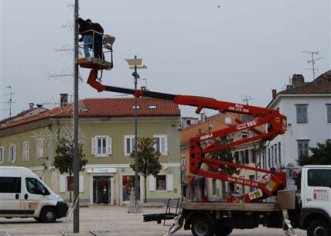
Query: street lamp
(135, 64)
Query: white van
(24, 194)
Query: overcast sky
(228, 50)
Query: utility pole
(75, 129)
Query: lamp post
(135, 64)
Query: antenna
(247, 98)
(10, 101)
(312, 61)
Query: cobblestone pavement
(110, 221)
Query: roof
(100, 107)
(321, 85)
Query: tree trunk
(145, 190)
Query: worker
(98, 40)
(85, 30)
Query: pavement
(110, 221)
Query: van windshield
(34, 186)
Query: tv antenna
(246, 99)
(10, 101)
(313, 61)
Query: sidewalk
(110, 221)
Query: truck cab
(316, 199)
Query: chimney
(203, 117)
(274, 93)
(31, 105)
(297, 80)
(63, 100)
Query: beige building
(106, 130)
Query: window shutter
(94, 146)
(14, 153)
(81, 183)
(126, 146)
(170, 183)
(63, 183)
(162, 147)
(152, 183)
(109, 145)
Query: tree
(225, 155)
(148, 160)
(321, 155)
(63, 160)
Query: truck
(310, 209)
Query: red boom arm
(200, 146)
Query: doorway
(102, 189)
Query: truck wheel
(223, 231)
(201, 227)
(318, 228)
(48, 215)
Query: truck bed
(263, 206)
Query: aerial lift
(201, 146)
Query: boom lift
(201, 146)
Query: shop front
(102, 189)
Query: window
(40, 148)
(101, 146)
(161, 144)
(161, 183)
(10, 184)
(319, 178)
(2, 154)
(25, 151)
(328, 113)
(129, 142)
(34, 186)
(302, 116)
(269, 160)
(214, 187)
(303, 148)
(246, 118)
(279, 153)
(12, 153)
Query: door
(10, 196)
(34, 193)
(317, 189)
(101, 189)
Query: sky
(230, 50)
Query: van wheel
(318, 228)
(201, 227)
(48, 215)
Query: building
(106, 130)
(307, 106)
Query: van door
(10, 196)
(35, 193)
(317, 193)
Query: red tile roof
(102, 107)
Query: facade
(307, 106)
(106, 130)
